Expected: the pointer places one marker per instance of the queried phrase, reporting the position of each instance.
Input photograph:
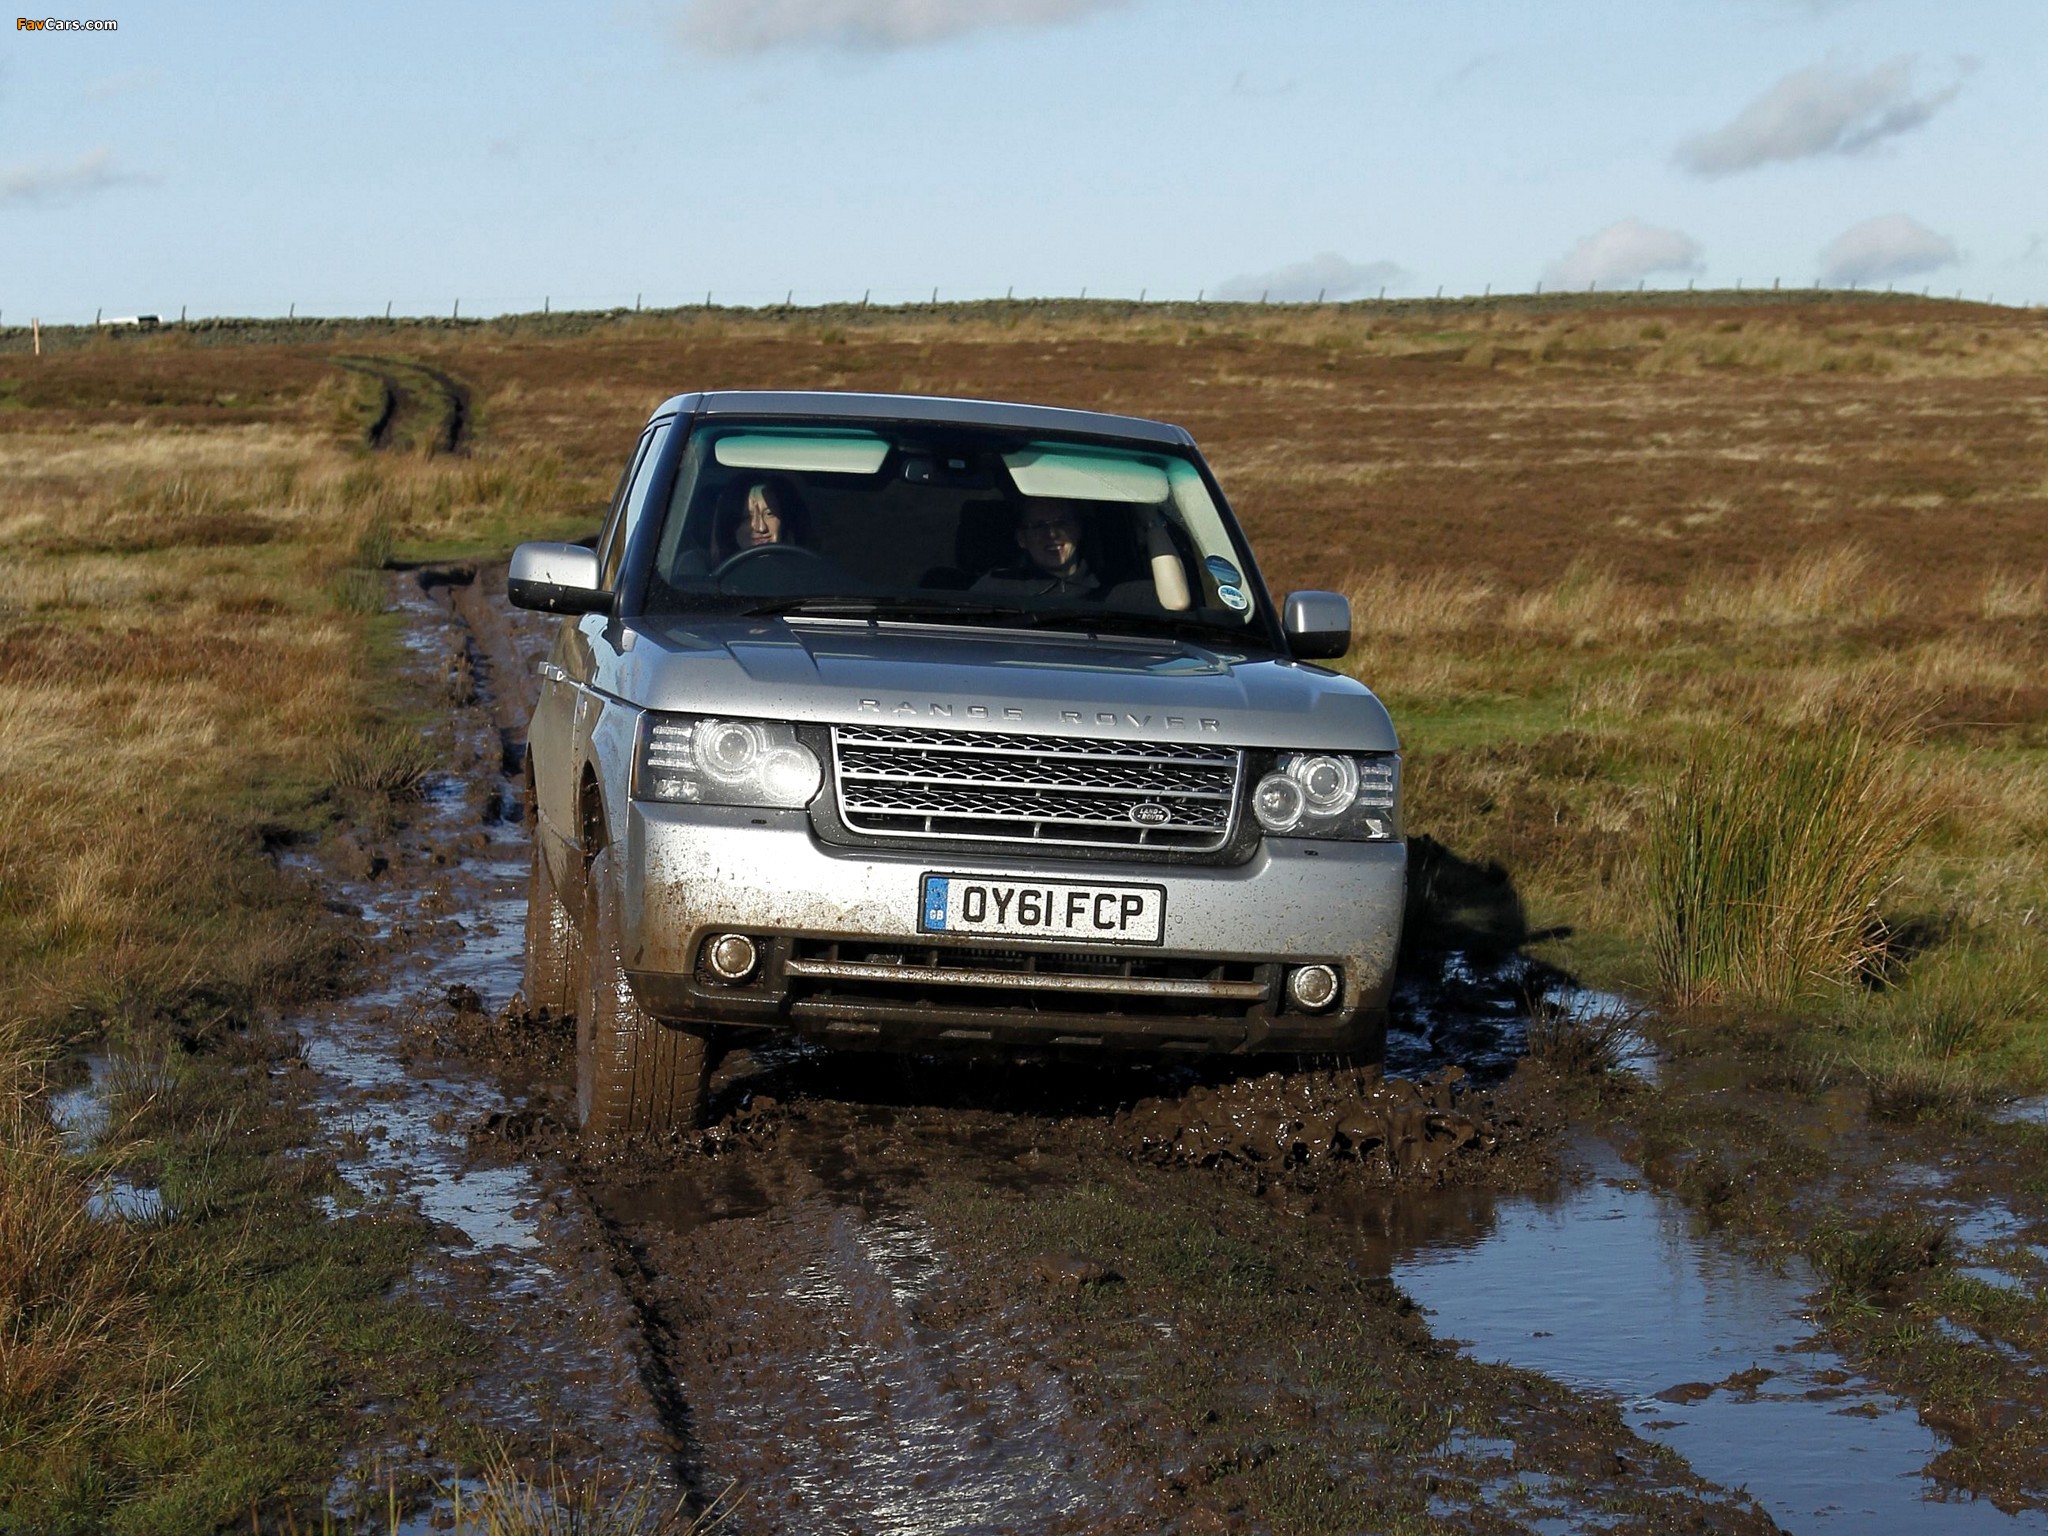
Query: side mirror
(556, 578)
(1317, 624)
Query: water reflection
(1608, 1287)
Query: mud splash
(1608, 1287)
(1396, 1127)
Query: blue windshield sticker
(1222, 570)
(935, 889)
(1230, 597)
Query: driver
(1049, 534)
(757, 513)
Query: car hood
(957, 677)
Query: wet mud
(900, 1294)
(413, 1107)
(1410, 1130)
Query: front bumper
(843, 957)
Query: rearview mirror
(1317, 624)
(556, 578)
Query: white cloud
(1825, 110)
(1326, 276)
(1622, 254)
(89, 173)
(1889, 247)
(761, 26)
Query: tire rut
(859, 1300)
(419, 404)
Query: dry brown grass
(1583, 536)
(72, 1335)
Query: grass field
(1597, 553)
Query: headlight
(1332, 794)
(693, 760)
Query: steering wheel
(762, 552)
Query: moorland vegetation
(1718, 630)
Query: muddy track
(896, 1294)
(899, 1294)
(418, 404)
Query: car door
(552, 736)
(590, 646)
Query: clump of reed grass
(2008, 595)
(356, 590)
(509, 1504)
(1868, 1267)
(1911, 1088)
(384, 765)
(506, 1502)
(1573, 1044)
(1767, 857)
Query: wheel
(634, 1073)
(554, 946)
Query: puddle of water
(1608, 1287)
(80, 1114)
(118, 1200)
(2032, 1111)
(1478, 1019)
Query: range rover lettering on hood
(906, 709)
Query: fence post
(36, 330)
(457, 315)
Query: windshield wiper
(1124, 622)
(891, 607)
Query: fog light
(731, 956)
(1313, 987)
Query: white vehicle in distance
(942, 725)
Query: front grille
(1056, 791)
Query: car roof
(830, 405)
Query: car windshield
(901, 520)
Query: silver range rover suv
(928, 723)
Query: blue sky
(240, 158)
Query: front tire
(553, 945)
(634, 1073)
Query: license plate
(1043, 909)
